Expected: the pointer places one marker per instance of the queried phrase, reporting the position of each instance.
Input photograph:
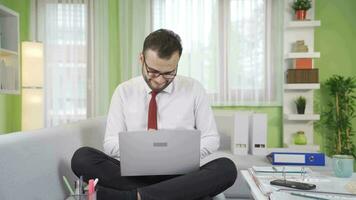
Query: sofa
(32, 163)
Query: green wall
(336, 40)
(10, 105)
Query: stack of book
(302, 71)
(303, 76)
(299, 46)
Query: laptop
(161, 152)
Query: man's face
(157, 72)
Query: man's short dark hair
(164, 42)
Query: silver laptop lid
(162, 152)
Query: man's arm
(205, 122)
(115, 124)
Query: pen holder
(82, 197)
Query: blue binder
(293, 158)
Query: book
(302, 76)
(303, 63)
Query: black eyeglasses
(154, 73)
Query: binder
(239, 138)
(258, 135)
(296, 158)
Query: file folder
(239, 138)
(258, 134)
(293, 158)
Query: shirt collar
(168, 89)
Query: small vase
(300, 138)
(300, 14)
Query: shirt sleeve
(115, 124)
(205, 122)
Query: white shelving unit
(302, 86)
(303, 55)
(293, 122)
(302, 117)
(5, 52)
(303, 24)
(307, 148)
(299, 148)
(9, 51)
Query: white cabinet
(293, 122)
(9, 51)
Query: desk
(240, 189)
(334, 183)
(255, 191)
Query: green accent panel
(10, 105)
(336, 41)
(114, 50)
(274, 115)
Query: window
(225, 47)
(66, 62)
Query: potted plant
(300, 7)
(338, 115)
(300, 102)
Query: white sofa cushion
(32, 163)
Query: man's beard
(155, 89)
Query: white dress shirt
(181, 105)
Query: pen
(80, 187)
(96, 181)
(91, 189)
(68, 186)
(76, 186)
(307, 196)
(259, 185)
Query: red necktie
(152, 112)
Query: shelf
(298, 148)
(303, 24)
(17, 92)
(307, 147)
(302, 55)
(302, 86)
(302, 117)
(9, 51)
(5, 52)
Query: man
(157, 100)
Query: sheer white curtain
(227, 47)
(67, 29)
(134, 26)
(197, 24)
(253, 77)
(98, 73)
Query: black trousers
(212, 179)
